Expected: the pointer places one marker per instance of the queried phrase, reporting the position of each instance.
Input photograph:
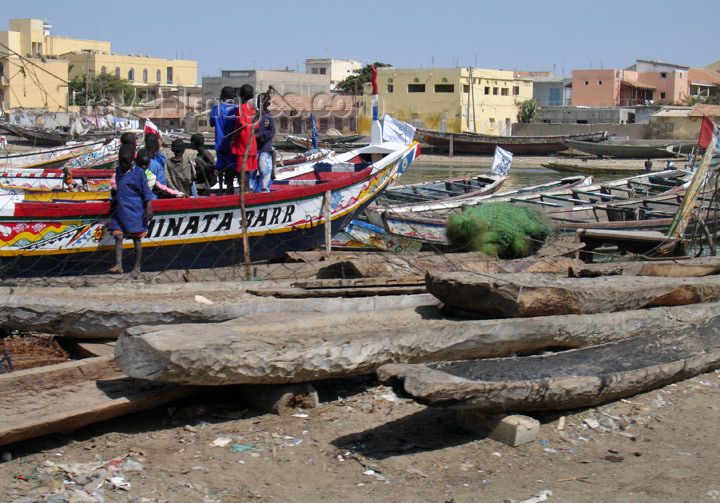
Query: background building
(449, 99)
(336, 69)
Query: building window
(117, 71)
(587, 83)
(202, 122)
(416, 88)
(466, 88)
(662, 96)
(169, 75)
(145, 75)
(323, 71)
(599, 82)
(663, 75)
(487, 90)
(158, 75)
(103, 70)
(495, 91)
(444, 88)
(131, 74)
(504, 91)
(516, 90)
(389, 88)
(314, 71)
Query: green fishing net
(505, 230)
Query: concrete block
(512, 430)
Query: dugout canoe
(71, 238)
(565, 380)
(70, 395)
(595, 169)
(50, 157)
(627, 148)
(284, 349)
(523, 295)
(475, 143)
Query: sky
(530, 35)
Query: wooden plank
(69, 395)
(368, 291)
(689, 267)
(360, 283)
(568, 379)
(319, 346)
(523, 295)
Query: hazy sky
(556, 35)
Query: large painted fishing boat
(48, 158)
(38, 238)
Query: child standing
(131, 208)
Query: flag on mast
(708, 130)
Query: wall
(674, 128)
(184, 72)
(600, 91)
(58, 46)
(639, 131)
(36, 88)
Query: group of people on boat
(243, 141)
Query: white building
(336, 69)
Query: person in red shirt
(245, 138)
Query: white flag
(397, 131)
(501, 162)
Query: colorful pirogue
(48, 238)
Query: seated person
(205, 176)
(159, 191)
(179, 170)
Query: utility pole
(87, 83)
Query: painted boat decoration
(48, 158)
(475, 143)
(628, 148)
(103, 158)
(564, 380)
(72, 238)
(19, 181)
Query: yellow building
(449, 99)
(35, 66)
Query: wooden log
(524, 295)
(569, 379)
(692, 267)
(271, 351)
(69, 395)
(104, 312)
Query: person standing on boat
(222, 118)
(131, 208)
(264, 136)
(204, 165)
(244, 141)
(179, 170)
(157, 160)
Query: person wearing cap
(245, 126)
(222, 118)
(179, 170)
(130, 208)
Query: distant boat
(590, 169)
(329, 142)
(621, 147)
(49, 158)
(474, 143)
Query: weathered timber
(523, 295)
(69, 395)
(104, 312)
(271, 349)
(365, 291)
(569, 379)
(686, 268)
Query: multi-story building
(449, 99)
(552, 91)
(35, 67)
(336, 69)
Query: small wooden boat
(168, 137)
(440, 190)
(72, 238)
(565, 380)
(524, 295)
(340, 143)
(619, 147)
(66, 396)
(60, 136)
(306, 347)
(474, 143)
(48, 158)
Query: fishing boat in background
(341, 143)
(594, 169)
(68, 238)
(48, 158)
(440, 190)
(627, 148)
(475, 143)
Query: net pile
(505, 230)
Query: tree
(354, 83)
(528, 110)
(104, 86)
(701, 100)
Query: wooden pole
(243, 223)
(451, 146)
(328, 221)
(682, 217)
